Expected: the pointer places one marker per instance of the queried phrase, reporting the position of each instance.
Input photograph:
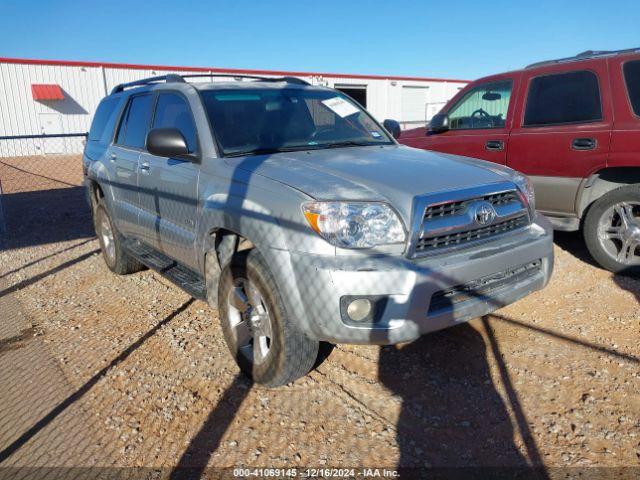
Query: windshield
(255, 121)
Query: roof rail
(177, 78)
(295, 80)
(169, 78)
(589, 54)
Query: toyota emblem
(485, 214)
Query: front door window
(484, 106)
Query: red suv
(573, 126)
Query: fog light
(359, 309)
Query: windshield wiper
(299, 148)
(267, 151)
(348, 143)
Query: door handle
(144, 167)
(584, 143)
(112, 157)
(494, 145)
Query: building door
(51, 124)
(413, 106)
(357, 92)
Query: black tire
(291, 353)
(115, 256)
(629, 194)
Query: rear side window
(564, 98)
(632, 77)
(135, 122)
(101, 117)
(172, 111)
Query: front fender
(247, 218)
(266, 214)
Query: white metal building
(59, 97)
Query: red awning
(46, 92)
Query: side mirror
(439, 123)
(392, 127)
(167, 142)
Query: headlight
(354, 224)
(526, 187)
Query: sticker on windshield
(375, 134)
(340, 106)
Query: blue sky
(454, 39)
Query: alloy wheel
(250, 320)
(106, 235)
(619, 232)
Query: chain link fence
(130, 372)
(41, 184)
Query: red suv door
(479, 121)
(562, 130)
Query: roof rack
(589, 54)
(295, 80)
(177, 78)
(169, 78)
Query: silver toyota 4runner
(292, 211)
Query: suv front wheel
(263, 339)
(612, 230)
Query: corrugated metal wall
(21, 115)
(85, 86)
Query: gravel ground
(134, 373)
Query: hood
(392, 173)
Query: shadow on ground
(45, 216)
(452, 414)
(573, 242)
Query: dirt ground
(101, 370)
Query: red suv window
(632, 77)
(484, 106)
(572, 97)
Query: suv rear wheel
(115, 256)
(612, 230)
(259, 334)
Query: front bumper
(313, 286)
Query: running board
(183, 277)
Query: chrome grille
(444, 210)
(469, 235)
(461, 218)
(457, 208)
(502, 198)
